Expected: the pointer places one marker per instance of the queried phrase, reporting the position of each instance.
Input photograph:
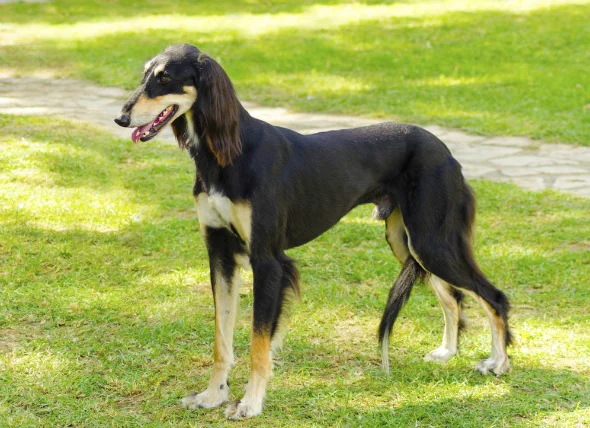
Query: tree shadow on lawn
(104, 306)
(70, 156)
(393, 403)
(523, 236)
(454, 70)
(134, 303)
(60, 12)
(389, 68)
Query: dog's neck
(209, 173)
(186, 129)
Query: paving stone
(580, 191)
(26, 111)
(530, 160)
(531, 183)
(462, 138)
(549, 149)
(569, 182)
(478, 153)
(544, 170)
(111, 92)
(439, 131)
(582, 154)
(476, 171)
(509, 141)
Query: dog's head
(189, 90)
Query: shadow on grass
(108, 311)
(122, 321)
(454, 69)
(74, 156)
(64, 11)
(463, 409)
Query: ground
(489, 67)
(106, 314)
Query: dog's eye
(163, 78)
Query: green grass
(106, 315)
(489, 67)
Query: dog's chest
(219, 212)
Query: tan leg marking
(498, 362)
(277, 339)
(252, 402)
(451, 312)
(394, 233)
(226, 309)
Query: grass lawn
(489, 67)
(106, 315)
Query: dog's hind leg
(225, 252)
(440, 241)
(450, 302)
(400, 292)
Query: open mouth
(150, 130)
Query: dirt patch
(579, 247)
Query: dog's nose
(123, 120)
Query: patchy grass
(489, 67)
(106, 315)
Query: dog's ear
(218, 111)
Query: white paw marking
(206, 399)
(243, 409)
(440, 355)
(493, 365)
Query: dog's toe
(439, 355)
(206, 399)
(241, 410)
(494, 366)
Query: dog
(262, 189)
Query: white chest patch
(218, 211)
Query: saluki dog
(262, 189)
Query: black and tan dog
(261, 189)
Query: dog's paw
(209, 398)
(242, 409)
(496, 366)
(439, 355)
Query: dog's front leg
(267, 291)
(224, 251)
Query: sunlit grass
(490, 67)
(106, 314)
(252, 25)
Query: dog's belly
(219, 212)
(303, 236)
(304, 225)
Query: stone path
(527, 163)
(23, 1)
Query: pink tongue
(138, 132)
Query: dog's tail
(398, 296)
